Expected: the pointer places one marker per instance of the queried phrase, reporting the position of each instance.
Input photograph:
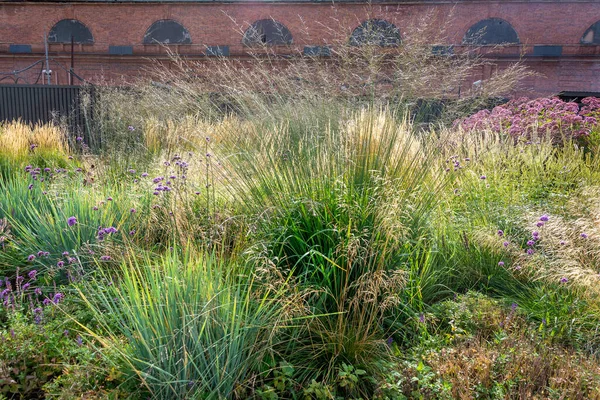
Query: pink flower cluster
(543, 117)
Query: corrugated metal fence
(43, 103)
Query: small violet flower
(57, 298)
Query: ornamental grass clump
(18, 139)
(334, 206)
(196, 326)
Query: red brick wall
(536, 22)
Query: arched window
(267, 32)
(376, 32)
(167, 31)
(491, 31)
(63, 30)
(592, 35)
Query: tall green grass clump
(331, 205)
(341, 211)
(195, 329)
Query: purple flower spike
(109, 199)
(60, 264)
(105, 258)
(31, 258)
(144, 174)
(564, 280)
(79, 341)
(32, 274)
(544, 218)
(584, 235)
(131, 128)
(535, 235)
(562, 242)
(46, 301)
(79, 138)
(505, 244)
(132, 210)
(422, 318)
(501, 264)
(38, 291)
(71, 221)
(539, 224)
(30, 186)
(531, 243)
(65, 253)
(57, 298)
(483, 177)
(500, 232)
(530, 251)
(26, 286)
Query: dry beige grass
(18, 138)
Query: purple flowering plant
(524, 118)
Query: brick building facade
(113, 40)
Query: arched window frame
(267, 32)
(475, 34)
(83, 37)
(592, 34)
(184, 34)
(380, 33)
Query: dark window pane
(167, 31)
(376, 32)
(267, 32)
(592, 35)
(491, 31)
(67, 28)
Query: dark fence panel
(43, 104)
